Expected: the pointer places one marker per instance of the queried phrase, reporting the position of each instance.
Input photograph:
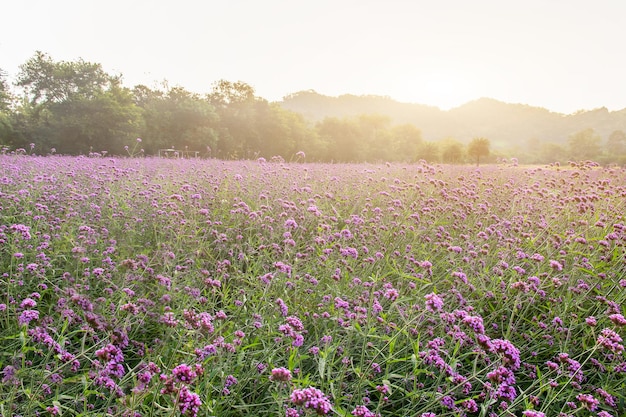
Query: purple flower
(362, 411)
(470, 405)
(298, 340)
(205, 352)
(502, 375)
(433, 302)
(27, 316)
(349, 252)
(188, 402)
(588, 401)
(22, 230)
(376, 368)
(184, 373)
(610, 340)
(291, 412)
(533, 413)
(510, 354)
(556, 265)
(325, 340)
(283, 307)
(475, 323)
(290, 224)
(311, 398)
(280, 374)
(295, 323)
(618, 319)
(8, 374)
(28, 303)
(110, 353)
(283, 267)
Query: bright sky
(564, 55)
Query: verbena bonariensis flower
(618, 319)
(363, 411)
(185, 373)
(188, 402)
(533, 413)
(280, 374)
(510, 354)
(311, 398)
(610, 340)
(588, 401)
(433, 302)
(475, 323)
(283, 307)
(27, 316)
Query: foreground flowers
(311, 398)
(145, 287)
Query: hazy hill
(505, 124)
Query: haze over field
(560, 55)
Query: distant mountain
(504, 124)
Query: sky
(563, 55)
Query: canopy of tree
(77, 108)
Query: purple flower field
(158, 287)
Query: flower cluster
(311, 398)
(281, 374)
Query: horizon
(441, 55)
(456, 106)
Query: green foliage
(478, 148)
(428, 151)
(176, 118)
(5, 93)
(405, 141)
(616, 144)
(584, 145)
(6, 127)
(46, 81)
(342, 135)
(75, 107)
(453, 152)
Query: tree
(374, 136)
(405, 141)
(452, 152)
(342, 137)
(428, 151)
(5, 94)
(75, 107)
(176, 118)
(5, 105)
(238, 108)
(478, 148)
(46, 81)
(225, 93)
(616, 143)
(584, 145)
(550, 152)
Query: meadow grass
(154, 287)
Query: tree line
(76, 108)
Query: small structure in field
(175, 153)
